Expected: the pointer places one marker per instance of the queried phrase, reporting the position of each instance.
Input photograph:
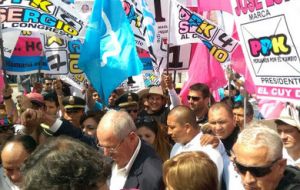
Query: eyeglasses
(111, 150)
(194, 98)
(255, 171)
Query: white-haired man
(136, 165)
(257, 156)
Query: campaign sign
(269, 36)
(50, 16)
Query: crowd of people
(148, 140)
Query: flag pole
(168, 40)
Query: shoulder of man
(291, 179)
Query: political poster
(62, 57)
(179, 55)
(269, 36)
(50, 16)
(190, 27)
(27, 57)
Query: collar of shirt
(192, 142)
(119, 176)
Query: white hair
(259, 137)
(120, 122)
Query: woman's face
(89, 127)
(146, 134)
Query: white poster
(269, 34)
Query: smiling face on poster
(269, 36)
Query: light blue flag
(109, 53)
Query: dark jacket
(146, 171)
(290, 180)
(68, 129)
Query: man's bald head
(184, 115)
(14, 152)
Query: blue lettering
(31, 16)
(48, 20)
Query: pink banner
(278, 92)
(209, 5)
(28, 46)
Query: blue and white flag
(109, 54)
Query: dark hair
(203, 88)
(51, 97)
(64, 163)
(147, 121)
(27, 142)
(228, 100)
(47, 78)
(249, 107)
(92, 114)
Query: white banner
(47, 16)
(269, 34)
(190, 27)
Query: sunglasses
(255, 171)
(194, 98)
(145, 119)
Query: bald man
(184, 130)
(15, 151)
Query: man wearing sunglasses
(74, 109)
(198, 99)
(257, 157)
(129, 102)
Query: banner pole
(168, 40)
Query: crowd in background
(148, 140)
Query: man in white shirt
(183, 129)
(288, 127)
(136, 165)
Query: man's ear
(282, 165)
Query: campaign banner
(27, 57)
(179, 55)
(47, 16)
(190, 27)
(62, 56)
(269, 35)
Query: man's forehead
(13, 151)
(250, 155)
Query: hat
(36, 98)
(156, 90)
(143, 92)
(290, 117)
(70, 102)
(127, 99)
